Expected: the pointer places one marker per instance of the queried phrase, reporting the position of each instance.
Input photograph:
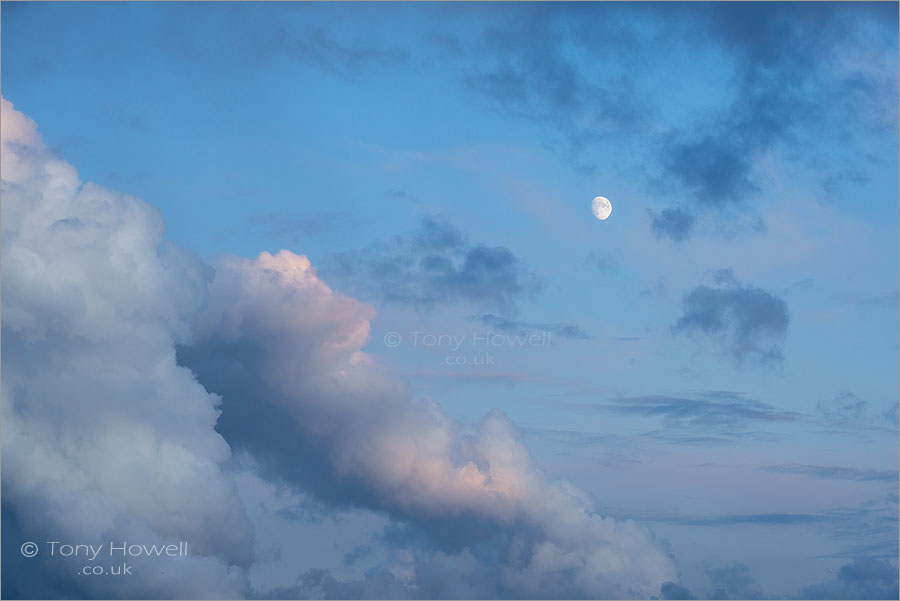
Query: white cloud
(105, 437)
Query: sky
(316, 289)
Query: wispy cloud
(831, 472)
(846, 412)
(563, 330)
(718, 409)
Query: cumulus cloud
(283, 350)
(105, 437)
(746, 321)
(434, 265)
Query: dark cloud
(762, 519)
(563, 330)
(670, 590)
(734, 582)
(863, 578)
(869, 529)
(677, 224)
(788, 75)
(712, 418)
(785, 87)
(717, 410)
(434, 265)
(833, 473)
(746, 321)
(525, 67)
(358, 552)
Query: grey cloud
(712, 418)
(677, 224)
(788, 83)
(563, 330)
(848, 411)
(783, 70)
(833, 472)
(718, 410)
(762, 519)
(746, 321)
(434, 265)
(670, 590)
(869, 529)
(734, 582)
(356, 553)
(525, 69)
(863, 578)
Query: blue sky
(721, 354)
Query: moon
(601, 208)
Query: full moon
(601, 208)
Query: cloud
(863, 578)
(746, 321)
(588, 75)
(713, 411)
(564, 330)
(472, 509)
(788, 87)
(532, 67)
(105, 437)
(734, 582)
(434, 265)
(761, 519)
(670, 590)
(313, 45)
(108, 436)
(846, 410)
(831, 472)
(677, 224)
